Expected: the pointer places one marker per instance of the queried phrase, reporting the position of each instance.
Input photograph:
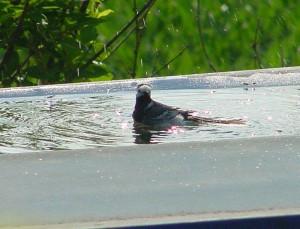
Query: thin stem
(84, 5)
(282, 59)
(14, 37)
(257, 60)
(137, 42)
(139, 26)
(115, 48)
(169, 62)
(201, 36)
(112, 41)
(20, 67)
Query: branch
(106, 46)
(202, 42)
(84, 5)
(257, 60)
(14, 36)
(169, 62)
(20, 67)
(282, 59)
(139, 26)
(115, 48)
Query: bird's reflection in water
(151, 135)
(143, 136)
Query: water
(96, 120)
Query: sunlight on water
(91, 120)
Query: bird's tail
(203, 120)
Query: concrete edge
(116, 149)
(205, 80)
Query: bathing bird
(155, 114)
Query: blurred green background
(59, 41)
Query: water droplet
(78, 72)
(124, 125)
(118, 112)
(95, 116)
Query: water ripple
(89, 120)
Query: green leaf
(51, 7)
(34, 71)
(70, 48)
(94, 70)
(88, 34)
(22, 53)
(14, 63)
(30, 80)
(2, 51)
(104, 13)
(107, 77)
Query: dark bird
(151, 113)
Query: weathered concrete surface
(151, 183)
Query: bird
(149, 112)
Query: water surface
(96, 120)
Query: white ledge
(261, 77)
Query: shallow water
(96, 120)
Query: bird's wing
(156, 111)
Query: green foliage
(229, 29)
(46, 41)
(54, 41)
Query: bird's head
(143, 90)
